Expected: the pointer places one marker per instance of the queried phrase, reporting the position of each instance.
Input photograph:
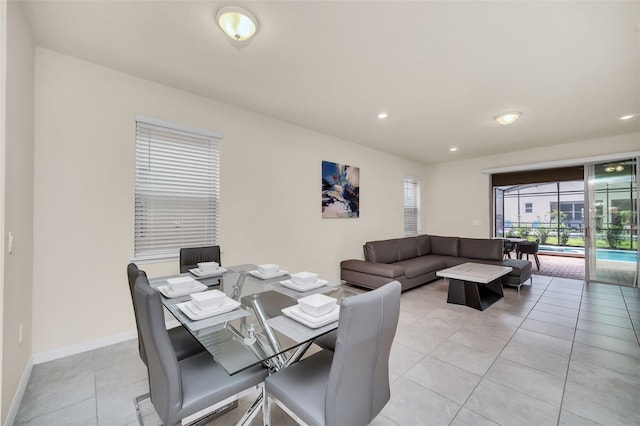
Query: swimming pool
(601, 254)
(619, 255)
(563, 250)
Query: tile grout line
(573, 341)
(633, 326)
(95, 385)
(494, 361)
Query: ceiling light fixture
(237, 23)
(627, 117)
(610, 168)
(508, 118)
(453, 149)
(383, 115)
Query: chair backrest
(358, 386)
(191, 256)
(132, 274)
(165, 387)
(507, 246)
(529, 246)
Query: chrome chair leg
(136, 403)
(253, 411)
(266, 408)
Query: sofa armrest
(373, 268)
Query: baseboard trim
(17, 398)
(77, 348)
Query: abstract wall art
(340, 190)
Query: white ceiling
(442, 70)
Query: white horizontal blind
(411, 207)
(177, 189)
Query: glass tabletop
(257, 331)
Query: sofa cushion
(372, 268)
(521, 268)
(407, 248)
(446, 246)
(384, 251)
(421, 265)
(423, 243)
(476, 248)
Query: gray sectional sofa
(415, 260)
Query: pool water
(601, 254)
(567, 250)
(619, 255)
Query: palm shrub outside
(612, 235)
(543, 234)
(564, 235)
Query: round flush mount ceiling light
(383, 115)
(508, 118)
(610, 168)
(453, 149)
(627, 117)
(237, 23)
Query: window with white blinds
(411, 207)
(177, 188)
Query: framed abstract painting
(340, 190)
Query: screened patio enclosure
(597, 220)
(551, 212)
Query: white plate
(196, 314)
(195, 288)
(198, 273)
(262, 276)
(294, 312)
(180, 280)
(304, 287)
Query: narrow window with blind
(411, 207)
(177, 188)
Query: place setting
(207, 270)
(268, 271)
(180, 286)
(304, 281)
(314, 311)
(207, 304)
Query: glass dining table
(257, 332)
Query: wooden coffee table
(474, 284)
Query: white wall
(270, 193)
(18, 202)
(458, 194)
(84, 194)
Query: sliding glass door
(611, 240)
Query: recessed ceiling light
(237, 23)
(508, 118)
(627, 117)
(453, 149)
(383, 115)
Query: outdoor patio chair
(508, 247)
(529, 247)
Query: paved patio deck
(574, 268)
(560, 266)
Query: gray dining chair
(327, 341)
(351, 385)
(183, 388)
(184, 344)
(191, 256)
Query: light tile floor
(557, 353)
